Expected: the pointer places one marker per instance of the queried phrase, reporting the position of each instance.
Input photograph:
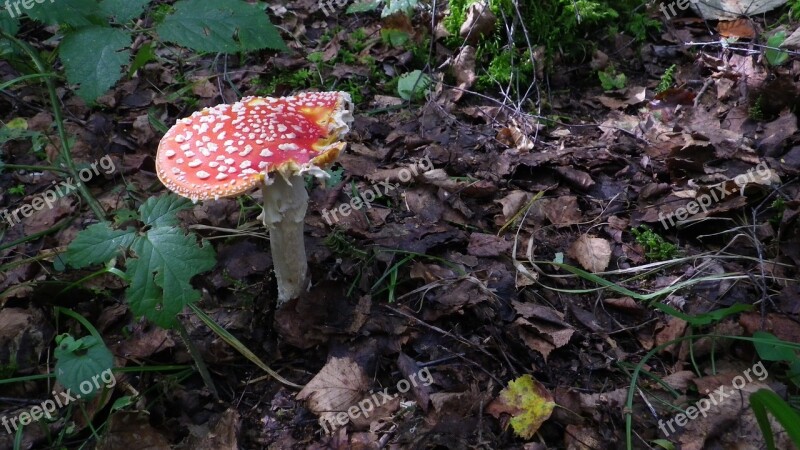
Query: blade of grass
(241, 348)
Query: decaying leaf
(527, 401)
(337, 386)
(480, 22)
(592, 253)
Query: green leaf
(93, 58)
(763, 401)
(123, 10)
(162, 211)
(363, 6)
(83, 366)
(98, 244)
(769, 351)
(703, 318)
(212, 25)
(8, 24)
(776, 57)
(399, 6)
(76, 13)
(395, 38)
(413, 84)
(145, 54)
(166, 260)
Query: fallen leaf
(337, 386)
(592, 253)
(527, 401)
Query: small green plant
(611, 80)
(95, 37)
(666, 80)
(779, 205)
(17, 129)
(162, 260)
(774, 56)
(656, 248)
(17, 190)
(413, 85)
(755, 112)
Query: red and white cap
(227, 150)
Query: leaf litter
(502, 347)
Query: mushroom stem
(285, 204)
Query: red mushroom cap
(227, 150)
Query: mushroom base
(285, 204)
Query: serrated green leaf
(77, 13)
(123, 10)
(84, 365)
(166, 260)
(93, 58)
(98, 244)
(212, 25)
(161, 211)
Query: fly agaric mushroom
(227, 150)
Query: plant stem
(59, 121)
(198, 359)
(285, 204)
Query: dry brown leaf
(512, 203)
(731, 9)
(592, 253)
(337, 386)
(464, 69)
(739, 28)
(512, 137)
(480, 22)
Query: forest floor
(619, 247)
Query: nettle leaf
(93, 58)
(77, 13)
(214, 25)
(123, 10)
(166, 260)
(81, 363)
(162, 211)
(98, 244)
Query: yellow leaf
(533, 404)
